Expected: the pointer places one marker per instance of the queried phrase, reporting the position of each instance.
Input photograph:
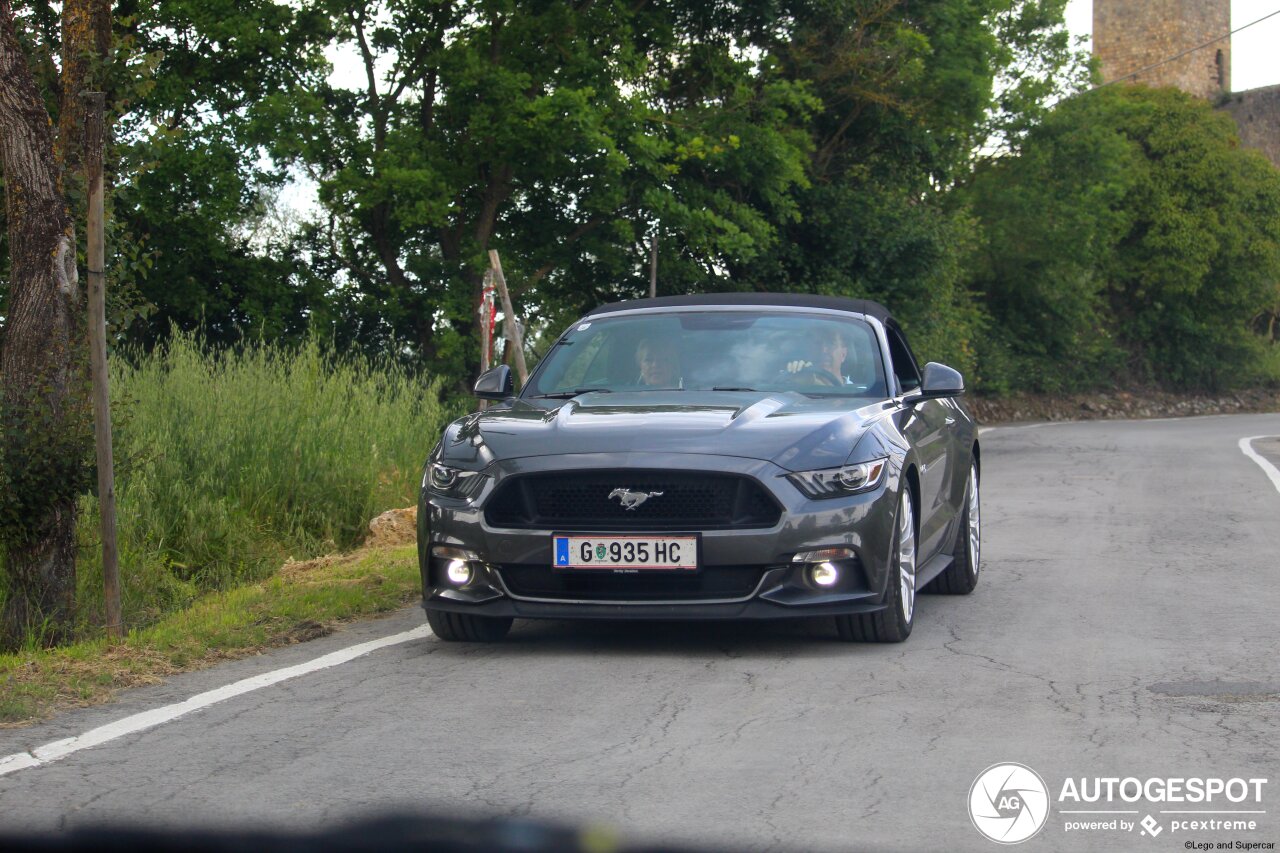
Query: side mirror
(496, 384)
(940, 381)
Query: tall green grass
(230, 462)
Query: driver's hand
(798, 365)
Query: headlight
(451, 482)
(838, 482)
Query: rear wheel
(962, 575)
(465, 628)
(893, 624)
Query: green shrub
(230, 462)
(1130, 240)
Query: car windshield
(816, 354)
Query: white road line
(1246, 447)
(58, 749)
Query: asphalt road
(1127, 624)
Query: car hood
(789, 429)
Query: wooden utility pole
(512, 329)
(653, 265)
(483, 314)
(95, 259)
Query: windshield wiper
(732, 388)
(569, 395)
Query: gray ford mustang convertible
(731, 456)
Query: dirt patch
(394, 527)
(293, 568)
(1118, 405)
(307, 630)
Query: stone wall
(1133, 34)
(1257, 112)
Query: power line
(1176, 57)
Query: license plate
(625, 553)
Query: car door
(927, 426)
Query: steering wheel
(819, 375)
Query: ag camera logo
(1009, 803)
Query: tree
(191, 222)
(1038, 66)
(908, 96)
(43, 403)
(562, 134)
(194, 188)
(1131, 240)
(566, 135)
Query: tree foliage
(801, 145)
(561, 134)
(189, 208)
(1133, 239)
(194, 185)
(906, 151)
(905, 91)
(739, 134)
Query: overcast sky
(1253, 52)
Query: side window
(904, 363)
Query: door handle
(949, 420)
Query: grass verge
(301, 602)
(228, 461)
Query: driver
(827, 351)
(659, 364)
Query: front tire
(962, 575)
(893, 624)
(465, 628)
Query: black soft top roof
(787, 300)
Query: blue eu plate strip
(562, 551)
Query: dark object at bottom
(419, 833)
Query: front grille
(573, 500)
(712, 582)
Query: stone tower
(1133, 34)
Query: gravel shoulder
(1119, 405)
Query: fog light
(458, 572)
(824, 574)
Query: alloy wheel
(975, 522)
(907, 557)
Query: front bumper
(756, 609)
(778, 587)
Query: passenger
(659, 364)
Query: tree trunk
(43, 399)
(42, 583)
